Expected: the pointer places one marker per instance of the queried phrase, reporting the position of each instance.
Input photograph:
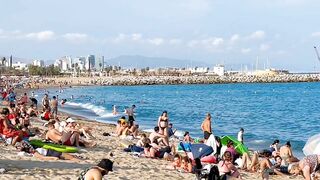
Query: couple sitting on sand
(126, 129)
(69, 135)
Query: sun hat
(70, 120)
(106, 164)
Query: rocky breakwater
(163, 80)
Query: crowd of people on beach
(208, 157)
(18, 116)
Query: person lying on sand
(186, 164)
(97, 172)
(306, 167)
(67, 137)
(45, 154)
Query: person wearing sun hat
(97, 172)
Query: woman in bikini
(163, 123)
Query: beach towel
(212, 143)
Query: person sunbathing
(306, 167)
(177, 161)
(7, 130)
(160, 137)
(97, 172)
(67, 137)
(226, 168)
(46, 154)
(186, 164)
(266, 168)
(286, 154)
(250, 163)
(143, 140)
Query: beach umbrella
(312, 146)
(200, 150)
(238, 146)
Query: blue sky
(212, 31)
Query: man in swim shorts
(206, 127)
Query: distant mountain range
(138, 61)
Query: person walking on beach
(97, 172)
(54, 106)
(206, 127)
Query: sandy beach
(126, 165)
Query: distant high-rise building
(90, 62)
(99, 63)
(9, 62)
(39, 63)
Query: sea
(284, 111)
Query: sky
(280, 33)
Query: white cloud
(192, 43)
(234, 38)
(121, 37)
(175, 41)
(245, 50)
(257, 35)
(315, 34)
(76, 37)
(41, 36)
(156, 41)
(264, 47)
(136, 37)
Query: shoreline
(181, 80)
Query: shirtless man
(67, 137)
(266, 167)
(206, 127)
(24, 99)
(156, 135)
(97, 172)
(54, 106)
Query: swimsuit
(206, 135)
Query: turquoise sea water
(266, 111)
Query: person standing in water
(130, 113)
(206, 127)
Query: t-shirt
(240, 136)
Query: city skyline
(214, 31)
